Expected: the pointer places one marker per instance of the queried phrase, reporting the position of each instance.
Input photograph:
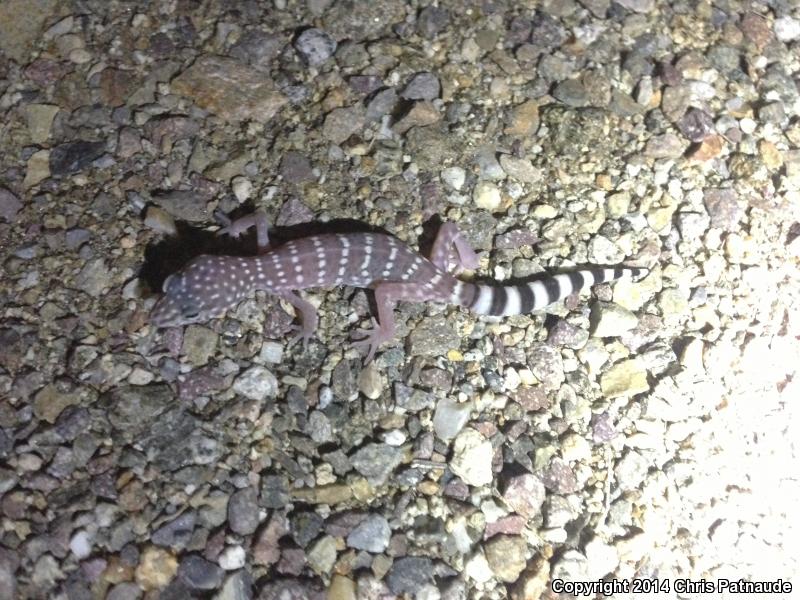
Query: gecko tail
(528, 297)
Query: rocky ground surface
(648, 431)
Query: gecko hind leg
(448, 237)
(308, 317)
(387, 295)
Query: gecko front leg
(258, 219)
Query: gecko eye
(190, 312)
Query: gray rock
(243, 516)
(422, 86)
(72, 421)
(72, 157)
(630, 470)
(639, 6)
(291, 589)
(412, 399)
(696, 124)
(372, 534)
(564, 333)
(723, 208)
(376, 462)
(199, 574)
(77, 236)
(546, 31)
(431, 21)
(177, 533)
(547, 365)
(344, 380)
(9, 561)
(257, 383)
(572, 93)
(9, 205)
(315, 46)
(364, 84)
(382, 103)
(133, 409)
(571, 566)
(433, 336)
(558, 511)
(774, 112)
(610, 320)
(186, 205)
(409, 574)
(124, 591)
(258, 48)
(274, 491)
(341, 123)
(319, 427)
(296, 168)
(725, 58)
(305, 527)
(321, 555)
(450, 418)
(238, 586)
(667, 145)
(294, 212)
(94, 277)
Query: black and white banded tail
(528, 297)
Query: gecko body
(209, 285)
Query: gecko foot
(300, 333)
(371, 339)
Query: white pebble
(80, 56)
(787, 29)
(80, 544)
(477, 568)
(454, 177)
(395, 437)
(242, 188)
(325, 397)
(140, 376)
(747, 125)
(232, 558)
(472, 458)
(512, 379)
(486, 195)
(271, 352)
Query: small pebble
(242, 188)
(454, 177)
(315, 46)
(487, 196)
(232, 558)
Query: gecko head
(199, 292)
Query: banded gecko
(210, 285)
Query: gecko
(209, 285)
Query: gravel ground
(646, 432)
